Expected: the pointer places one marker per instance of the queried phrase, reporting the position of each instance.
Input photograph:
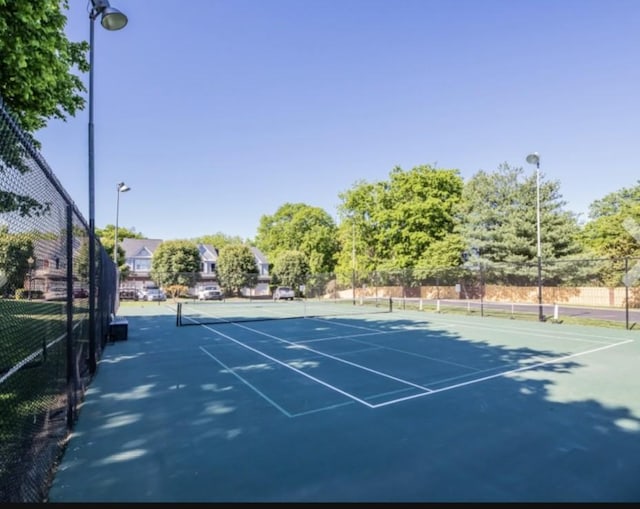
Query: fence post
(71, 393)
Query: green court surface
(402, 406)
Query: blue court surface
(406, 406)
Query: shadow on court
(302, 411)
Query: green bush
(23, 294)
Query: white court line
(384, 347)
(570, 336)
(505, 373)
(329, 386)
(426, 390)
(329, 356)
(267, 398)
(230, 370)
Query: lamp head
(123, 188)
(533, 158)
(111, 18)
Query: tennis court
(356, 404)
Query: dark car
(128, 294)
(80, 293)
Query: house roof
(260, 257)
(139, 247)
(208, 252)
(142, 248)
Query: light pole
(353, 261)
(122, 188)
(30, 261)
(534, 158)
(111, 19)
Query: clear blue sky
(217, 112)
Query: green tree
(300, 227)
(442, 254)
(613, 234)
(616, 202)
(38, 79)
(359, 229)
(218, 240)
(108, 233)
(15, 250)
(291, 268)
(15, 156)
(497, 218)
(107, 239)
(390, 225)
(81, 261)
(175, 262)
(418, 210)
(236, 268)
(37, 82)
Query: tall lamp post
(122, 188)
(353, 261)
(30, 261)
(534, 158)
(111, 19)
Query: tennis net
(216, 312)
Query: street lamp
(111, 19)
(353, 260)
(122, 188)
(30, 261)
(534, 158)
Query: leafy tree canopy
(616, 202)
(109, 232)
(236, 268)
(300, 227)
(38, 62)
(391, 224)
(497, 217)
(615, 234)
(291, 268)
(15, 250)
(219, 240)
(175, 262)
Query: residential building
(139, 254)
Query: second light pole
(122, 188)
(535, 159)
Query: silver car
(210, 293)
(284, 293)
(154, 294)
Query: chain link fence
(47, 357)
(596, 291)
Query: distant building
(139, 254)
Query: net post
(390, 304)
(178, 313)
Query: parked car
(154, 294)
(210, 293)
(283, 292)
(55, 294)
(80, 293)
(129, 294)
